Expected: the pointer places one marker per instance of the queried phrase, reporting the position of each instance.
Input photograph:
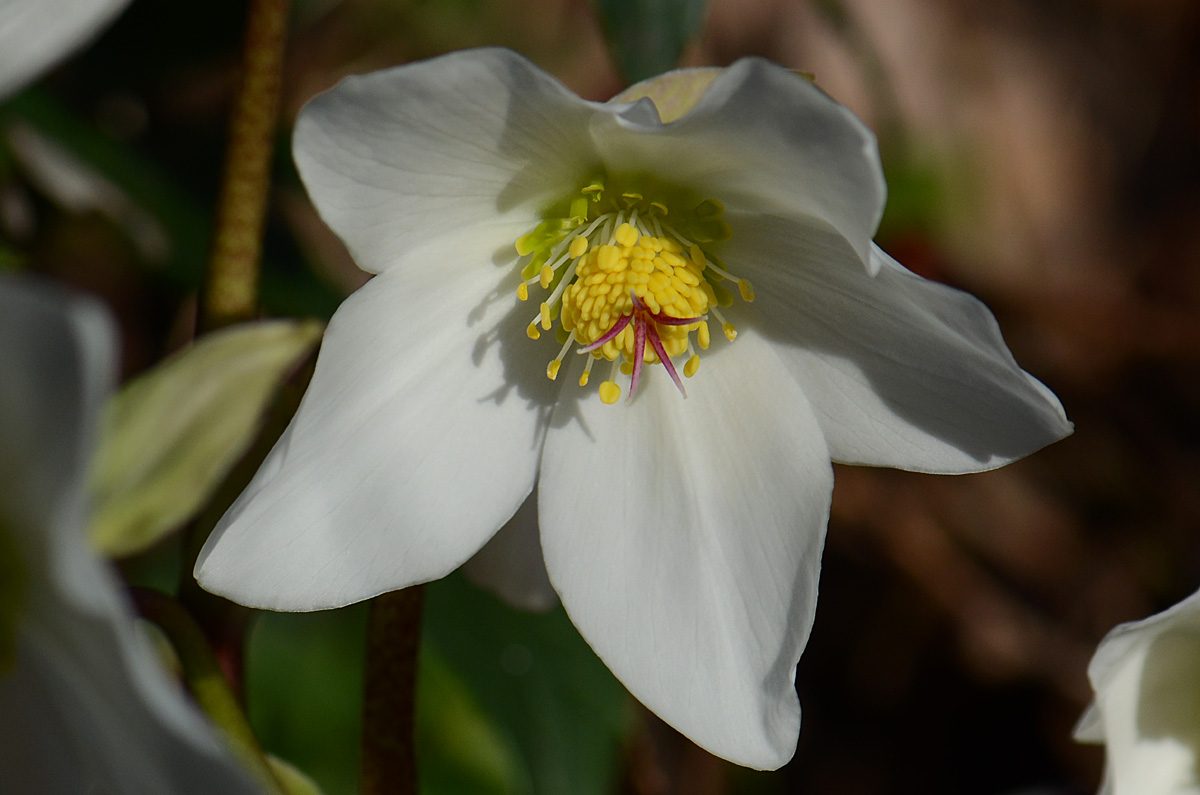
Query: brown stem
(230, 291)
(389, 763)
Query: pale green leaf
(169, 437)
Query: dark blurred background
(1041, 154)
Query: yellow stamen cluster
(651, 268)
(607, 251)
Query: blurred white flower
(36, 34)
(683, 536)
(1146, 675)
(84, 704)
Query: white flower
(1146, 675)
(683, 536)
(84, 705)
(35, 34)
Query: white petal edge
(34, 34)
(58, 356)
(85, 681)
(89, 684)
(684, 538)
(396, 159)
(762, 139)
(417, 439)
(901, 371)
(1147, 701)
(511, 564)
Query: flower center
(629, 281)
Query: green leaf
(169, 437)
(538, 680)
(647, 37)
(459, 747)
(291, 778)
(304, 688)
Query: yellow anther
(642, 274)
(578, 246)
(626, 235)
(607, 257)
(610, 393)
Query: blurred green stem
(389, 760)
(230, 290)
(207, 683)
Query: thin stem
(207, 683)
(230, 292)
(389, 763)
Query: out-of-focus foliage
(647, 37)
(294, 781)
(508, 703)
(538, 680)
(1040, 153)
(169, 437)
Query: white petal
(901, 371)
(86, 708)
(684, 537)
(511, 564)
(417, 439)
(762, 139)
(398, 158)
(34, 34)
(1147, 702)
(58, 357)
(89, 698)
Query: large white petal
(1147, 702)
(89, 708)
(36, 33)
(762, 139)
(417, 439)
(901, 371)
(58, 358)
(86, 707)
(399, 158)
(684, 537)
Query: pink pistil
(640, 326)
(644, 329)
(611, 334)
(666, 362)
